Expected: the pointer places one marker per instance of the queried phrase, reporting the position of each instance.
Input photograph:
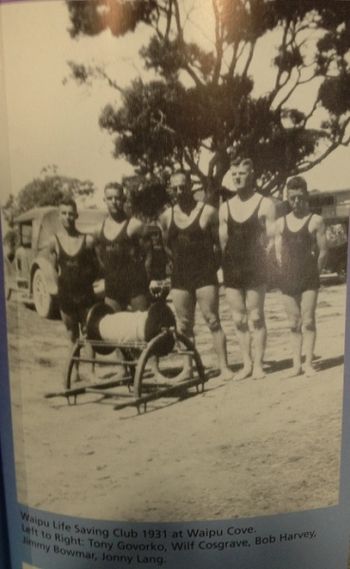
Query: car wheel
(43, 300)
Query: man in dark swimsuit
(246, 231)
(190, 234)
(301, 251)
(77, 268)
(118, 244)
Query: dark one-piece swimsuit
(192, 247)
(124, 268)
(299, 270)
(244, 259)
(76, 274)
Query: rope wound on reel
(103, 325)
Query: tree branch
(186, 66)
(280, 71)
(233, 62)
(110, 81)
(309, 115)
(169, 18)
(249, 58)
(218, 44)
(307, 165)
(193, 165)
(178, 20)
(290, 92)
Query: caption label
(141, 546)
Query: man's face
(114, 199)
(297, 200)
(68, 215)
(242, 177)
(180, 186)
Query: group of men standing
(198, 240)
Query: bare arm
(164, 223)
(223, 233)
(91, 244)
(53, 250)
(268, 211)
(321, 241)
(278, 241)
(138, 230)
(213, 224)
(96, 243)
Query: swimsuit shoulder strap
(60, 247)
(201, 209)
(229, 214)
(256, 211)
(102, 233)
(124, 229)
(172, 230)
(309, 220)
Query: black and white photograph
(175, 208)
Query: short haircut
(113, 186)
(183, 172)
(297, 183)
(68, 201)
(238, 161)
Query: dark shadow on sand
(320, 364)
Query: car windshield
(26, 235)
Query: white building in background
(331, 205)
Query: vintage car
(335, 209)
(30, 270)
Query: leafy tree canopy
(203, 100)
(44, 191)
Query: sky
(48, 121)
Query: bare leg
(71, 322)
(293, 310)
(255, 299)
(308, 319)
(185, 304)
(89, 350)
(208, 300)
(237, 302)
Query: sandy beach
(242, 448)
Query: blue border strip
(4, 544)
(6, 435)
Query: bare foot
(245, 372)
(295, 371)
(258, 372)
(225, 374)
(309, 370)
